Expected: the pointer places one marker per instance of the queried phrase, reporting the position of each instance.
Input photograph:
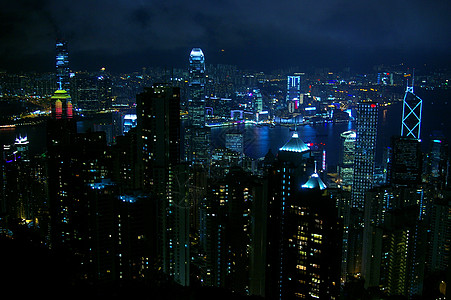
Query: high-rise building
(394, 241)
(437, 161)
(197, 135)
(62, 65)
(165, 177)
(158, 125)
(365, 151)
(440, 245)
(412, 106)
(293, 90)
(405, 163)
(235, 141)
(233, 233)
(363, 180)
(196, 100)
(258, 101)
(298, 223)
(304, 229)
(62, 105)
(75, 160)
(347, 158)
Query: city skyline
(281, 158)
(129, 36)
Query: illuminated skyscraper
(197, 135)
(293, 89)
(62, 105)
(304, 231)
(412, 106)
(365, 152)
(363, 179)
(258, 101)
(196, 100)
(62, 65)
(347, 158)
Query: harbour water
(259, 139)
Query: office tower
(304, 230)
(196, 100)
(62, 105)
(235, 141)
(365, 151)
(197, 145)
(437, 161)
(312, 264)
(62, 65)
(364, 160)
(405, 163)
(347, 155)
(104, 86)
(158, 112)
(412, 106)
(197, 135)
(61, 127)
(258, 101)
(293, 90)
(292, 168)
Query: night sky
(126, 35)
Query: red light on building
(69, 110)
(373, 105)
(58, 109)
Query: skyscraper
(158, 112)
(365, 152)
(304, 230)
(286, 176)
(405, 164)
(62, 65)
(347, 158)
(197, 135)
(412, 106)
(196, 100)
(293, 89)
(62, 105)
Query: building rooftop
(295, 144)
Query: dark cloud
(121, 33)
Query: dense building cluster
(143, 196)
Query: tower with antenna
(411, 113)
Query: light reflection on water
(258, 140)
